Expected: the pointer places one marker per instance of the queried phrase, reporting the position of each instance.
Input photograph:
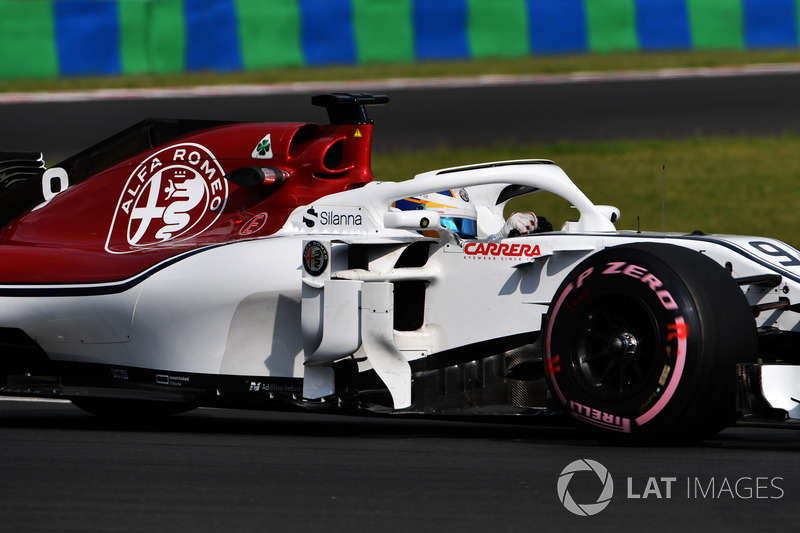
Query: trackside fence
(52, 38)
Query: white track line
(398, 83)
(31, 399)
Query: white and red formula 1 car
(260, 265)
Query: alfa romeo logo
(585, 509)
(175, 194)
(315, 258)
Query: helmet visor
(464, 227)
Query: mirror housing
(419, 220)
(610, 212)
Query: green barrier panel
(797, 18)
(383, 31)
(269, 33)
(611, 25)
(166, 36)
(27, 40)
(716, 24)
(498, 28)
(133, 24)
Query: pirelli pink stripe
(680, 362)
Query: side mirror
(257, 176)
(420, 220)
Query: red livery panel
(214, 186)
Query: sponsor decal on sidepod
(500, 249)
(175, 194)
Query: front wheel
(642, 341)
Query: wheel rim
(614, 354)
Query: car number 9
(54, 181)
(773, 250)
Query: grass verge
(552, 64)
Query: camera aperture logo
(585, 509)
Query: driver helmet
(456, 212)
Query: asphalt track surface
(216, 470)
(541, 110)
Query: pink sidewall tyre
(641, 344)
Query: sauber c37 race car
(181, 264)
